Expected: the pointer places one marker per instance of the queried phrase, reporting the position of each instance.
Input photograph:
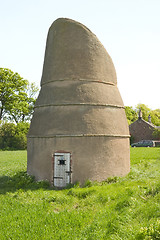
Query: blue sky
(128, 29)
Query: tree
(145, 110)
(156, 133)
(17, 96)
(130, 114)
(13, 136)
(155, 117)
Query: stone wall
(93, 158)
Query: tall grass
(118, 208)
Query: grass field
(118, 208)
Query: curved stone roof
(74, 52)
(79, 94)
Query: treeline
(13, 136)
(17, 99)
(132, 114)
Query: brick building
(141, 129)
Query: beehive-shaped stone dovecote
(79, 129)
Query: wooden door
(62, 169)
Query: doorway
(62, 169)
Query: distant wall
(141, 130)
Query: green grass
(118, 208)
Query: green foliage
(111, 180)
(17, 96)
(156, 133)
(131, 114)
(119, 208)
(13, 136)
(152, 231)
(155, 116)
(145, 111)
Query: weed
(87, 183)
(152, 191)
(110, 180)
(122, 204)
(152, 231)
(81, 193)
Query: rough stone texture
(79, 108)
(74, 52)
(93, 158)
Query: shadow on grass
(21, 180)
